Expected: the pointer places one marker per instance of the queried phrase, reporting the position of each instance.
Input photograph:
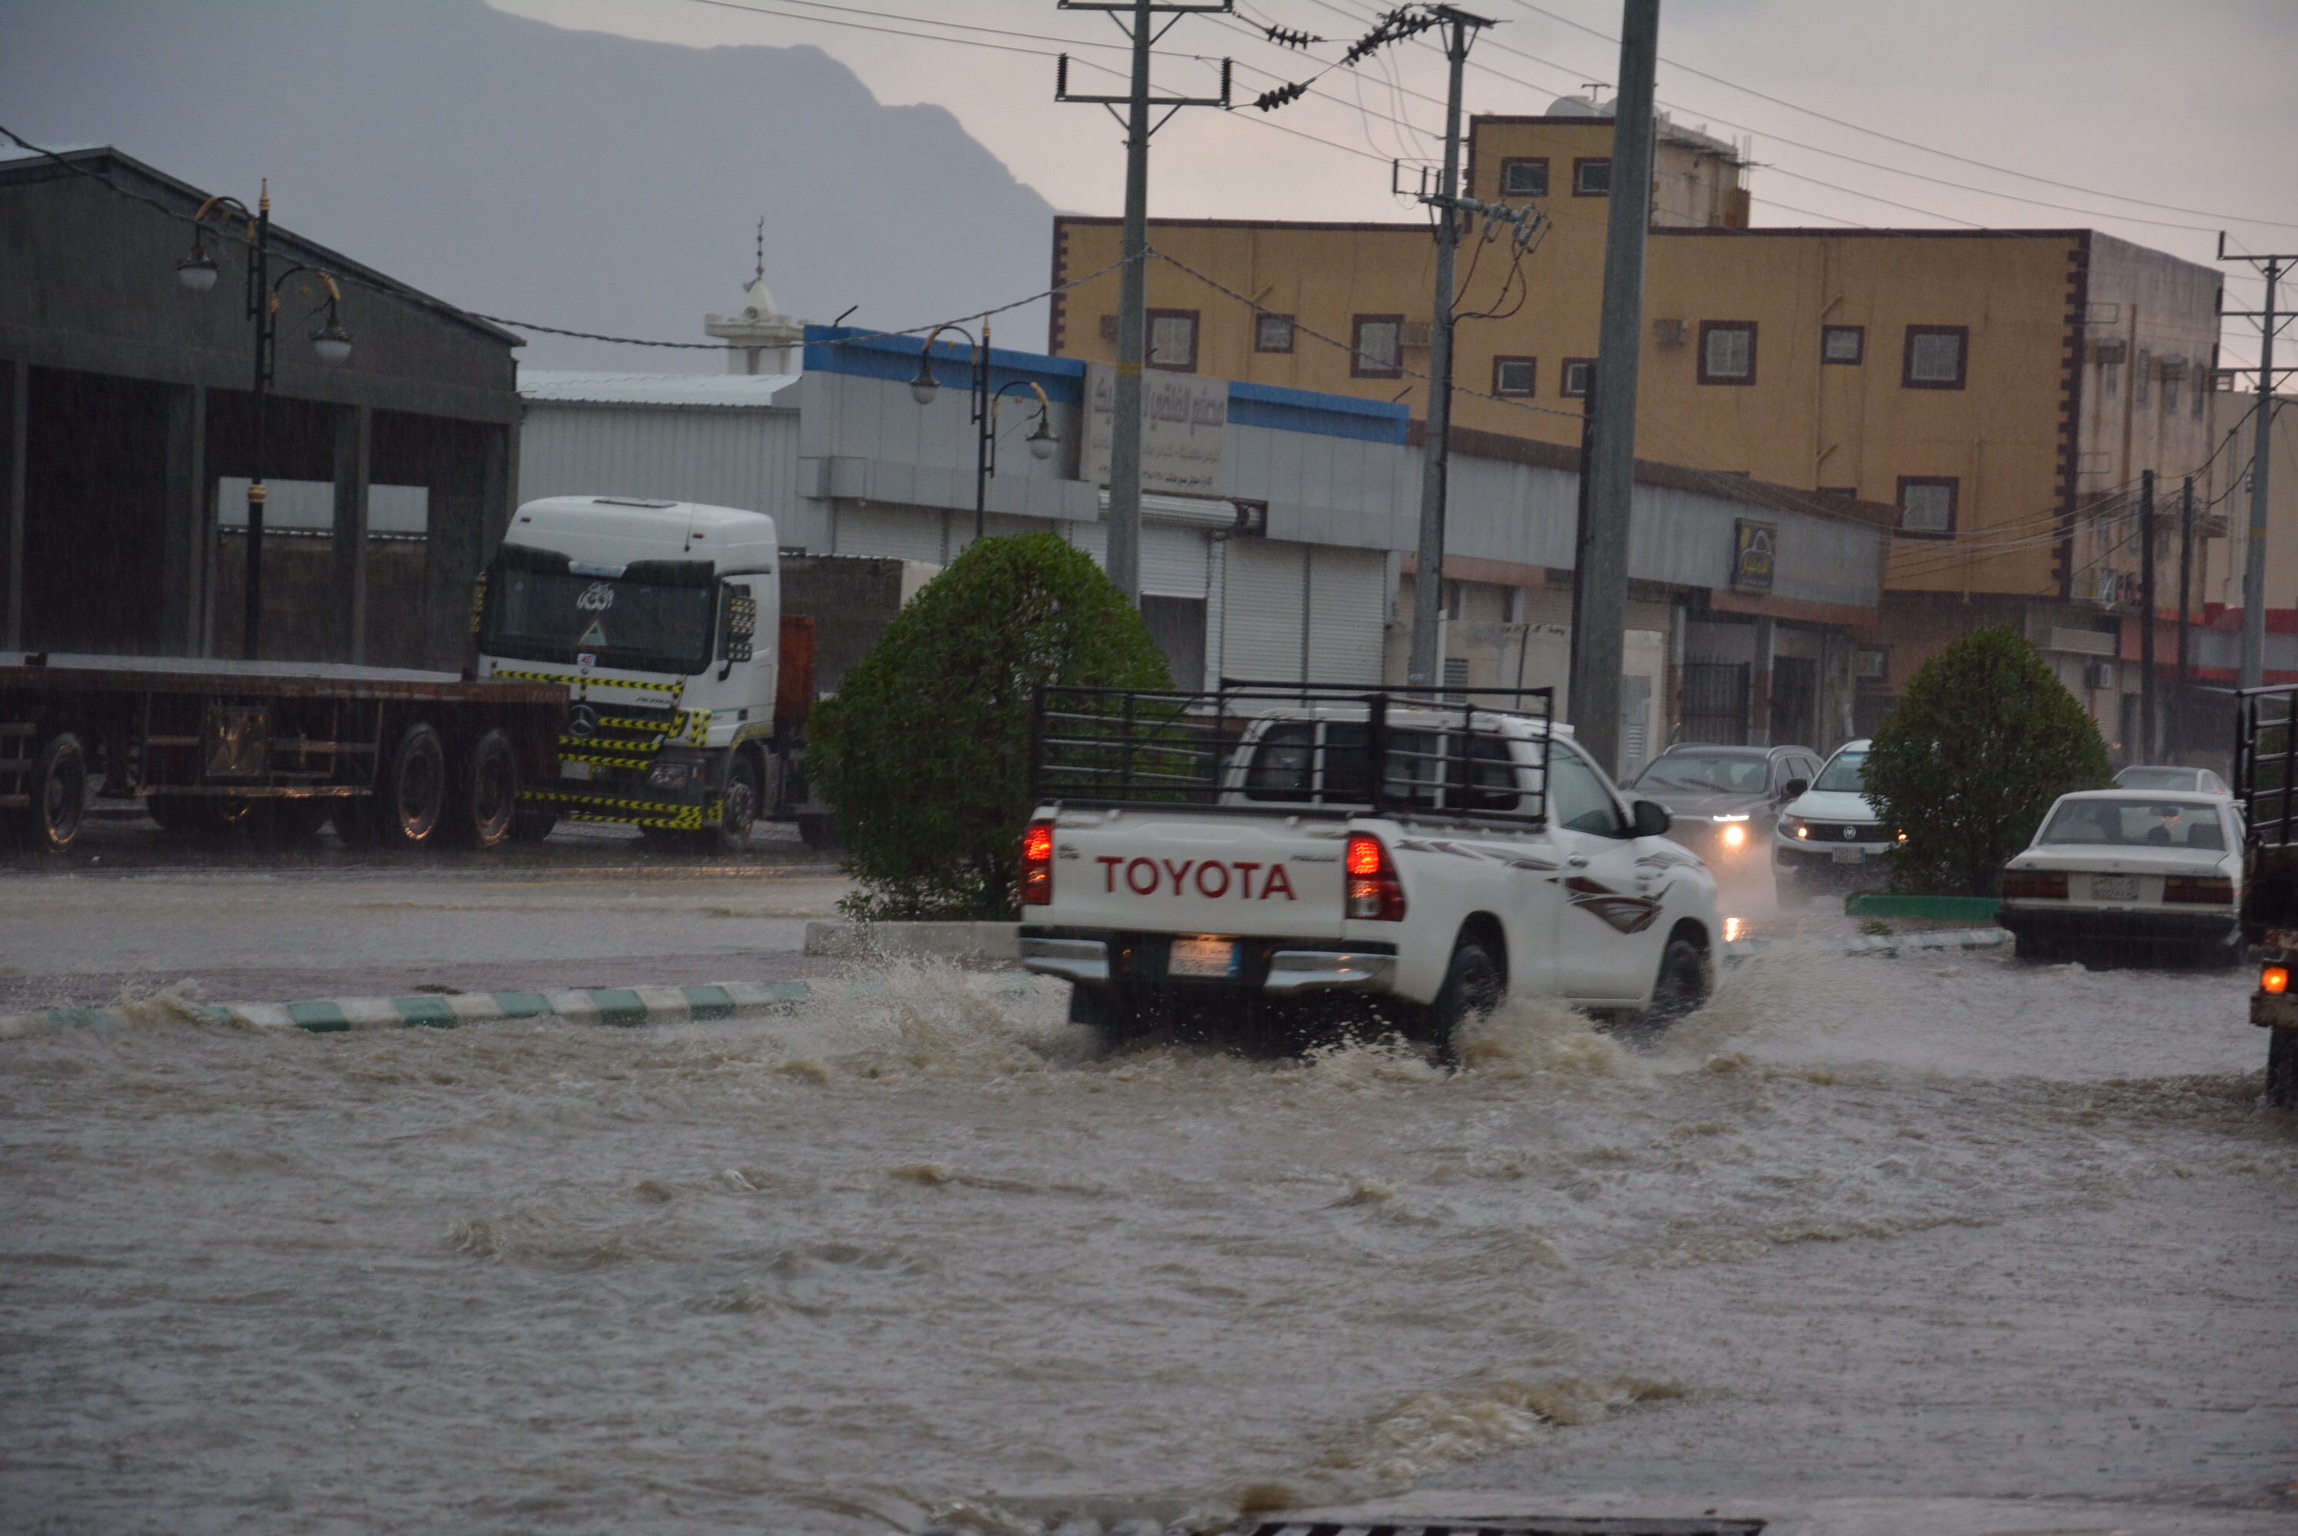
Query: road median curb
(614, 1007)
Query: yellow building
(2002, 388)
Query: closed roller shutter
(1173, 561)
(1265, 594)
(899, 533)
(1348, 615)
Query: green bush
(925, 750)
(1982, 742)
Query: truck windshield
(641, 621)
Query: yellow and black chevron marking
(630, 812)
(677, 688)
(567, 755)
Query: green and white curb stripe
(1888, 943)
(617, 1007)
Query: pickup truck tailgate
(1171, 872)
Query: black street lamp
(983, 402)
(197, 271)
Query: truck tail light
(1373, 890)
(2034, 885)
(1037, 865)
(2201, 890)
(2274, 980)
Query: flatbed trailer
(397, 756)
(2266, 784)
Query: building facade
(1278, 545)
(2000, 390)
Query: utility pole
(1132, 299)
(1426, 665)
(2185, 612)
(1600, 568)
(2146, 681)
(2261, 461)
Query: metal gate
(1715, 702)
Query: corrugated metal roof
(714, 391)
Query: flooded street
(1939, 1227)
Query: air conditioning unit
(1871, 664)
(1668, 333)
(1413, 333)
(2109, 351)
(2099, 676)
(2173, 369)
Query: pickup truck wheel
(739, 807)
(2282, 1068)
(414, 794)
(1471, 990)
(59, 793)
(1682, 984)
(490, 792)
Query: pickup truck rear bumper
(1268, 965)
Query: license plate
(1847, 855)
(1210, 959)
(579, 771)
(2114, 887)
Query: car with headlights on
(2118, 872)
(1830, 836)
(1724, 799)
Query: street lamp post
(196, 270)
(983, 403)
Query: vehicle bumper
(2272, 1010)
(1279, 965)
(1818, 861)
(675, 789)
(2151, 926)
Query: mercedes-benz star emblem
(582, 722)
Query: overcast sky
(2173, 103)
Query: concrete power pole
(1426, 664)
(2146, 680)
(2261, 461)
(1133, 283)
(1600, 569)
(2183, 697)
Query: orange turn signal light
(2274, 980)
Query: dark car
(1725, 799)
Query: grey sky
(2178, 104)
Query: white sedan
(2116, 872)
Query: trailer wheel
(413, 798)
(2282, 1068)
(490, 792)
(738, 806)
(59, 792)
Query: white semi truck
(689, 679)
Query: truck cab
(662, 621)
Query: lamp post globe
(197, 272)
(924, 387)
(1042, 441)
(332, 343)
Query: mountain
(574, 179)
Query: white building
(1278, 545)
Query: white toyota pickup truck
(1230, 863)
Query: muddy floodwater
(1936, 1227)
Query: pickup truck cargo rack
(1114, 748)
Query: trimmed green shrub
(1982, 742)
(925, 750)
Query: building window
(1727, 351)
(1845, 344)
(1524, 178)
(1927, 506)
(2201, 388)
(1376, 347)
(2138, 377)
(1578, 377)
(1592, 178)
(1273, 333)
(1515, 375)
(1173, 340)
(2110, 379)
(1935, 356)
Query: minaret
(763, 339)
